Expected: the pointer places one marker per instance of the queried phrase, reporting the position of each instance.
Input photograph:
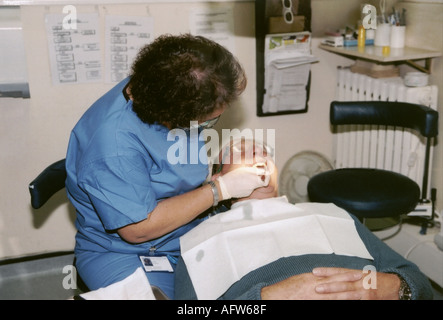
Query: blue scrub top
(118, 170)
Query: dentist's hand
(241, 182)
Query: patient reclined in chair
(263, 245)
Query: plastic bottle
(361, 39)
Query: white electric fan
(296, 173)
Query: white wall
(35, 132)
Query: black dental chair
(376, 193)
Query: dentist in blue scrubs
(130, 199)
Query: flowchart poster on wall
(74, 48)
(124, 37)
(215, 23)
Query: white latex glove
(241, 182)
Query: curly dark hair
(178, 79)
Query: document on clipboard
(288, 61)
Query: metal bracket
(426, 68)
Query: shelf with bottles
(376, 53)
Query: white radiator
(381, 147)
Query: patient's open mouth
(262, 169)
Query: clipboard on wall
(270, 22)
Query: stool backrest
(381, 136)
(408, 115)
(47, 183)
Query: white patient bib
(224, 248)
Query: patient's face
(249, 154)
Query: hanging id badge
(151, 263)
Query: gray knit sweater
(249, 287)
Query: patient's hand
(387, 285)
(332, 284)
(302, 287)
